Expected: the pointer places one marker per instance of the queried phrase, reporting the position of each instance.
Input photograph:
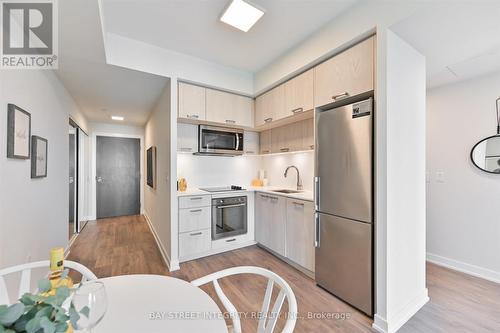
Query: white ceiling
(460, 40)
(193, 27)
(100, 90)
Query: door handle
(71, 180)
(99, 179)
(298, 110)
(268, 120)
(317, 233)
(339, 96)
(316, 193)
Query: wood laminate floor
(125, 245)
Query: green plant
(41, 313)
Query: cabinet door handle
(265, 152)
(194, 116)
(250, 152)
(195, 210)
(195, 233)
(298, 110)
(298, 203)
(229, 121)
(273, 198)
(285, 150)
(186, 149)
(311, 146)
(230, 240)
(268, 120)
(340, 96)
(197, 198)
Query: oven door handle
(237, 141)
(231, 206)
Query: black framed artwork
(151, 167)
(18, 132)
(39, 154)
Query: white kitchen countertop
(304, 195)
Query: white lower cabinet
(194, 219)
(270, 221)
(300, 232)
(286, 226)
(192, 243)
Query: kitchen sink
(286, 191)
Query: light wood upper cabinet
(229, 109)
(347, 74)
(187, 138)
(265, 142)
(299, 93)
(270, 106)
(251, 143)
(191, 101)
(308, 138)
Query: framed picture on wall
(151, 167)
(18, 132)
(39, 149)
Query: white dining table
(158, 304)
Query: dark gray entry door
(118, 176)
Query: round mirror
(486, 154)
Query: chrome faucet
(299, 181)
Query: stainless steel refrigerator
(344, 202)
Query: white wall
(157, 201)
(463, 211)
(117, 130)
(206, 171)
(403, 262)
(34, 212)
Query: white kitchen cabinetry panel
(299, 93)
(191, 101)
(270, 217)
(192, 243)
(229, 109)
(347, 74)
(300, 232)
(251, 144)
(187, 138)
(191, 219)
(195, 201)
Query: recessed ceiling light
(117, 118)
(242, 15)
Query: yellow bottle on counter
(182, 185)
(56, 269)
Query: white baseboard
(463, 267)
(383, 325)
(163, 252)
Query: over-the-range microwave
(214, 140)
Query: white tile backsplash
(201, 171)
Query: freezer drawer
(344, 260)
(344, 161)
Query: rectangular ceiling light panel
(241, 15)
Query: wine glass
(90, 295)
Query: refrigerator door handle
(317, 235)
(316, 192)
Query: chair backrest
(25, 282)
(267, 321)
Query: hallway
(459, 302)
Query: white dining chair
(25, 282)
(267, 321)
